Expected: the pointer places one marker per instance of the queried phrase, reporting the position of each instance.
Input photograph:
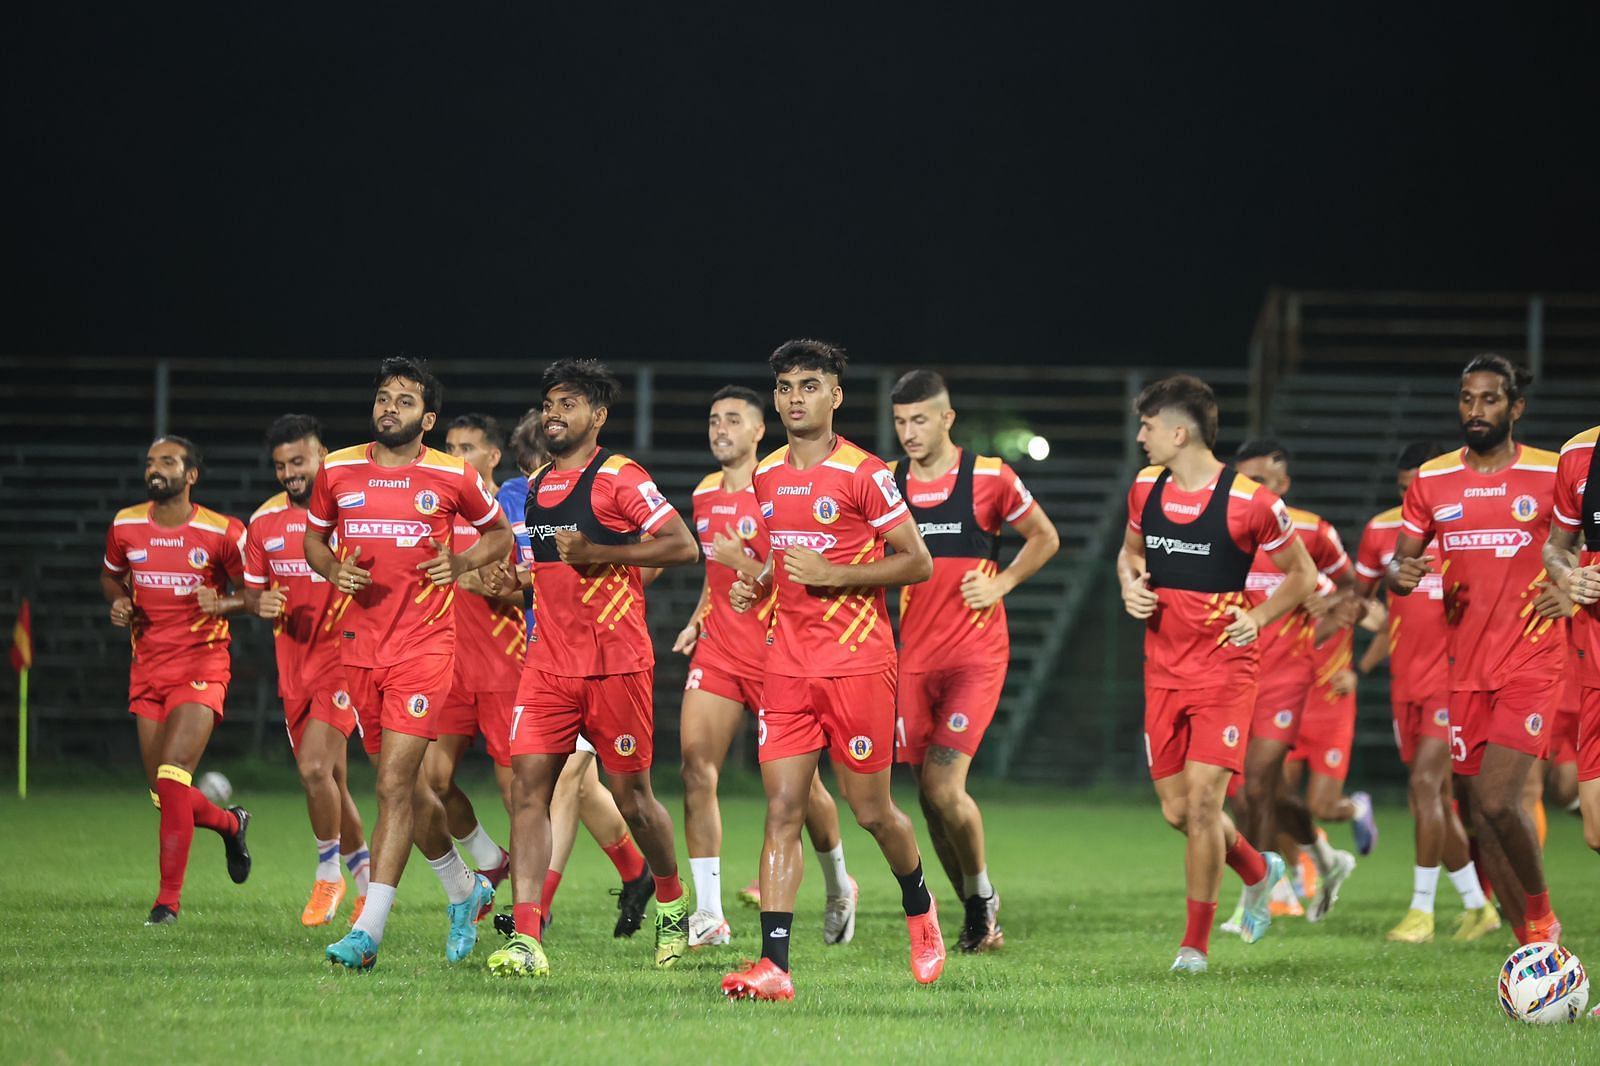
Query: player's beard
(303, 499)
(403, 433)
(161, 489)
(1485, 440)
(572, 437)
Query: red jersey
(937, 628)
(305, 635)
(1491, 530)
(390, 513)
(736, 642)
(1328, 659)
(842, 507)
(1419, 667)
(1183, 644)
(1572, 482)
(166, 566)
(1285, 645)
(590, 620)
(491, 638)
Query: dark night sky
(1116, 182)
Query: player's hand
(122, 612)
(1139, 599)
(1582, 584)
(1343, 683)
(472, 581)
(743, 594)
(209, 600)
(809, 567)
(1243, 630)
(272, 603)
(980, 591)
(1551, 602)
(500, 579)
(688, 637)
(1374, 616)
(1410, 572)
(445, 567)
(727, 548)
(574, 547)
(351, 577)
(1349, 610)
(1317, 606)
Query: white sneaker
(1235, 922)
(707, 930)
(839, 916)
(1189, 960)
(1344, 864)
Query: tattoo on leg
(941, 756)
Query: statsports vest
(1201, 555)
(950, 529)
(575, 511)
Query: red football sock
(1476, 855)
(525, 916)
(1197, 934)
(668, 889)
(1520, 932)
(547, 898)
(177, 832)
(208, 815)
(1538, 907)
(1246, 861)
(625, 857)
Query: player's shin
(177, 831)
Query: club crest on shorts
(1524, 508)
(1283, 719)
(860, 748)
(199, 686)
(825, 510)
(1333, 757)
(1534, 724)
(426, 501)
(198, 558)
(417, 705)
(1230, 736)
(341, 700)
(625, 745)
(1441, 717)
(959, 723)
(746, 527)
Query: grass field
(1093, 898)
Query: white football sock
(328, 860)
(977, 884)
(359, 863)
(835, 878)
(453, 875)
(376, 913)
(1424, 885)
(1321, 854)
(1466, 882)
(707, 874)
(481, 848)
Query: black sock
(775, 937)
(914, 895)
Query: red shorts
(1326, 737)
(1206, 725)
(1414, 721)
(616, 712)
(1280, 702)
(155, 698)
(466, 714)
(406, 697)
(1564, 736)
(707, 675)
(1589, 735)
(332, 706)
(1515, 717)
(853, 717)
(951, 708)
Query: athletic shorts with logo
(466, 714)
(616, 712)
(708, 674)
(1415, 721)
(949, 708)
(853, 717)
(407, 697)
(332, 706)
(153, 691)
(1204, 725)
(1515, 717)
(1327, 735)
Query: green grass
(1093, 912)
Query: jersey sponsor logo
(1190, 509)
(292, 568)
(625, 745)
(138, 555)
(922, 499)
(723, 509)
(417, 705)
(652, 495)
(1449, 512)
(790, 538)
(886, 485)
(341, 699)
(1333, 757)
(405, 534)
(274, 544)
(350, 500)
(553, 486)
(1505, 543)
(463, 530)
(766, 509)
(545, 532)
(940, 529)
(389, 483)
(1230, 736)
(1524, 508)
(1432, 585)
(702, 525)
(180, 584)
(825, 510)
(1281, 513)
(860, 748)
(1262, 581)
(1534, 724)
(294, 527)
(794, 490)
(1441, 717)
(426, 501)
(959, 723)
(1475, 493)
(746, 528)
(1173, 546)
(166, 542)
(1283, 719)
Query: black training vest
(575, 511)
(1591, 502)
(950, 529)
(1200, 555)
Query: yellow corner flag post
(22, 662)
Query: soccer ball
(1543, 983)
(215, 787)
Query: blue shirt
(513, 499)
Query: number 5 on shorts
(1458, 744)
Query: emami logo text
(1475, 493)
(1172, 546)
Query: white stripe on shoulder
(1366, 571)
(889, 516)
(140, 521)
(1534, 466)
(113, 567)
(357, 461)
(1236, 494)
(1577, 446)
(1383, 525)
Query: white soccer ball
(1543, 983)
(216, 788)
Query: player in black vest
(954, 645)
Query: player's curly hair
(1418, 452)
(405, 368)
(286, 429)
(1518, 379)
(589, 378)
(527, 442)
(806, 354)
(1186, 394)
(488, 425)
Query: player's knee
(699, 774)
(875, 818)
(1176, 812)
(945, 797)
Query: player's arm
(1299, 578)
(1375, 654)
(744, 593)
(446, 567)
(669, 544)
(114, 587)
(728, 549)
(909, 564)
(1138, 598)
(216, 604)
(1408, 566)
(1040, 542)
(689, 635)
(1580, 583)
